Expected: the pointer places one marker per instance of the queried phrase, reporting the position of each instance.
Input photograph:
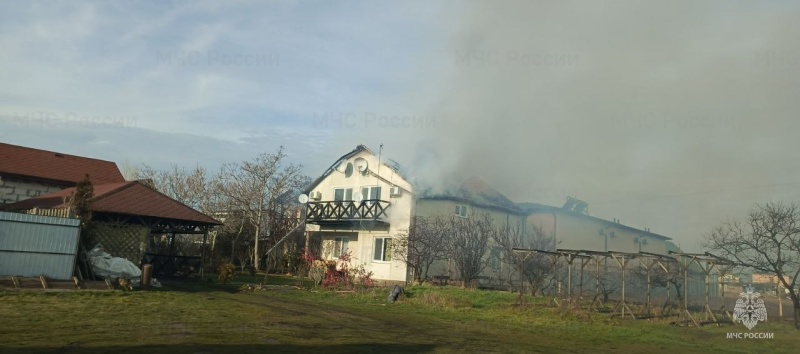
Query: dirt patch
(271, 341)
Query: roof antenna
(377, 177)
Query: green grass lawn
(216, 318)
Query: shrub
(225, 272)
(340, 274)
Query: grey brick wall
(12, 191)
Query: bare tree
(283, 216)
(422, 245)
(255, 188)
(243, 252)
(670, 279)
(467, 243)
(191, 187)
(768, 241)
(535, 267)
(129, 171)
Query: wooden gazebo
(133, 221)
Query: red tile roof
(128, 198)
(24, 162)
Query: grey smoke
(669, 115)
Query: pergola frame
(571, 256)
(706, 262)
(596, 256)
(171, 228)
(527, 252)
(622, 259)
(725, 268)
(649, 261)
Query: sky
(671, 116)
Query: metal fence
(35, 245)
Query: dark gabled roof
(388, 163)
(128, 198)
(27, 163)
(476, 191)
(534, 208)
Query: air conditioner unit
(315, 195)
(395, 191)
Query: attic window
(461, 211)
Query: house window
(340, 246)
(383, 249)
(461, 211)
(494, 258)
(371, 193)
(342, 194)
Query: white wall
(362, 237)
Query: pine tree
(80, 202)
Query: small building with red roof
(26, 172)
(129, 218)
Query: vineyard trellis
(682, 273)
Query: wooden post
(521, 276)
(648, 266)
(304, 215)
(622, 261)
(649, 299)
(584, 262)
(202, 254)
(597, 295)
(521, 299)
(569, 278)
(686, 285)
(147, 272)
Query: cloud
(234, 74)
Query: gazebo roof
(126, 198)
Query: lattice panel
(120, 239)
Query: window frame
(385, 255)
(370, 190)
(342, 243)
(464, 213)
(344, 194)
(495, 261)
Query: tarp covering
(104, 265)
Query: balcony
(346, 212)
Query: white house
(359, 205)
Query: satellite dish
(303, 198)
(361, 165)
(358, 197)
(342, 166)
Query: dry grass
(214, 318)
